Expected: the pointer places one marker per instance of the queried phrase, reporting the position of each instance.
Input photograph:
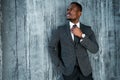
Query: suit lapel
(82, 27)
(68, 32)
(85, 30)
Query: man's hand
(77, 32)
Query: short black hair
(78, 5)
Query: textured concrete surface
(0, 44)
(26, 30)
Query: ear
(79, 14)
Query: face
(73, 13)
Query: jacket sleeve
(90, 43)
(53, 48)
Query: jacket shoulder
(86, 29)
(62, 27)
(86, 26)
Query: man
(69, 44)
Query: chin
(68, 18)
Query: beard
(69, 19)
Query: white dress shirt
(78, 25)
(71, 25)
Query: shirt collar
(71, 24)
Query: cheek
(74, 14)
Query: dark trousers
(77, 75)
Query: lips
(68, 15)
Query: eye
(68, 9)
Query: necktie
(76, 39)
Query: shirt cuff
(83, 36)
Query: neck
(75, 21)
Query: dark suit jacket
(64, 52)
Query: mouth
(68, 15)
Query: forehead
(72, 6)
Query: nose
(68, 11)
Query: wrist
(83, 35)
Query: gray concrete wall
(26, 29)
(0, 43)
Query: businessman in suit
(69, 45)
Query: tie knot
(74, 25)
